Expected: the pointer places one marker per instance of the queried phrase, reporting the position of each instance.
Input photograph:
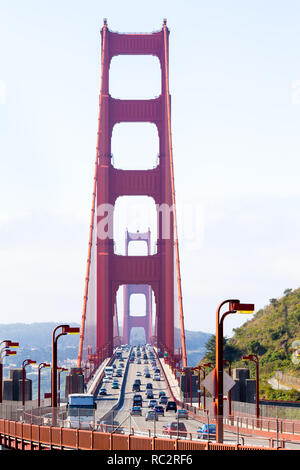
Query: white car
(156, 377)
(138, 374)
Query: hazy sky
(235, 85)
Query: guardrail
(23, 436)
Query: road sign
(228, 382)
(210, 382)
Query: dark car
(207, 431)
(137, 400)
(136, 387)
(159, 410)
(171, 405)
(175, 429)
(148, 385)
(163, 400)
(149, 394)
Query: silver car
(151, 416)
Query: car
(147, 375)
(156, 377)
(115, 385)
(136, 410)
(136, 387)
(152, 403)
(159, 410)
(162, 394)
(106, 380)
(138, 374)
(103, 391)
(118, 374)
(137, 381)
(171, 405)
(137, 400)
(149, 394)
(182, 414)
(151, 416)
(148, 385)
(137, 396)
(207, 431)
(163, 400)
(175, 428)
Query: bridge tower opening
(143, 320)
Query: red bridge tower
(107, 271)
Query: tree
(287, 291)
(231, 353)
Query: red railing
(22, 436)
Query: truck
(80, 411)
(109, 371)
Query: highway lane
(106, 402)
(138, 423)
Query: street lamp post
(40, 366)
(199, 385)
(203, 366)
(60, 370)
(234, 307)
(65, 329)
(227, 362)
(191, 386)
(254, 358)
(25, 363)
(5, 352)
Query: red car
(171, 429)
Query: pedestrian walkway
(175, 389)
(95, 379)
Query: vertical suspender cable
(184, 358)
(83, 318)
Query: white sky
(235, 85)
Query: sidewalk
(175, 389)
(94, 382)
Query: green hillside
(271, 334)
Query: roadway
(121, 415)
(121, 400)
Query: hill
(36, 342)
(271, 334)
